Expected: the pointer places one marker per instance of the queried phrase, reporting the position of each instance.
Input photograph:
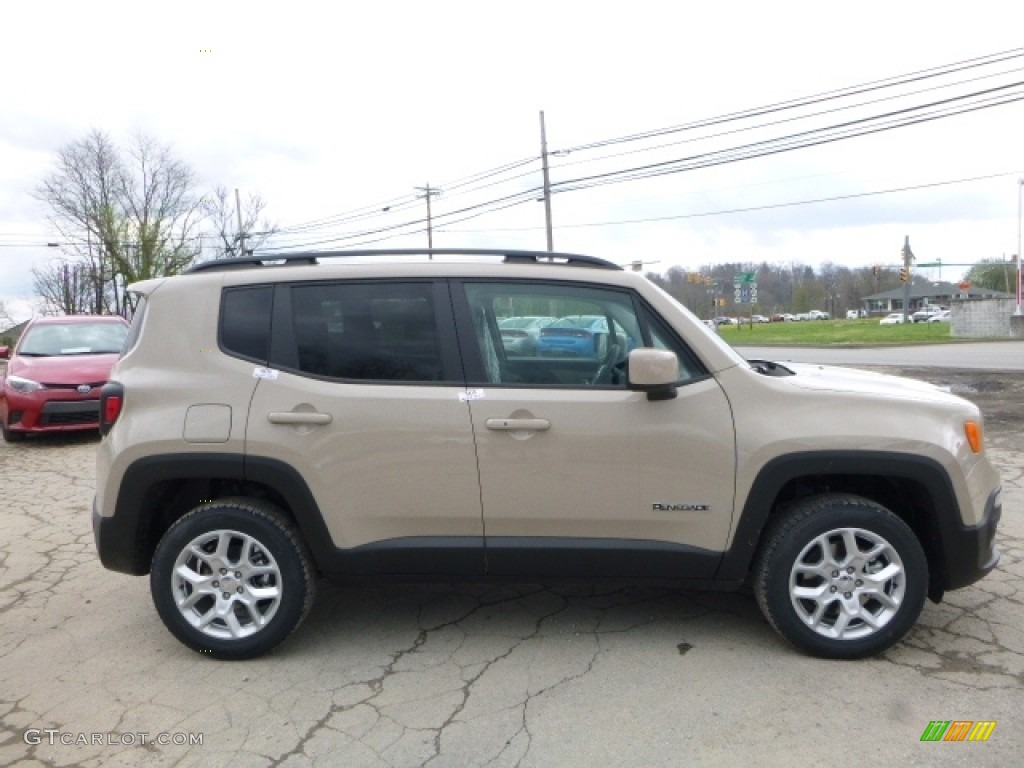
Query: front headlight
(25, 386)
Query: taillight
(111, 403)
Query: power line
(797, 140)
(781, 121)
(405, 201)
(839, 93)
(508, 201)
(767, 207)
(801, 139)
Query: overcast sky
(325, 108)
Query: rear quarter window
(135, 328)
(245, 322)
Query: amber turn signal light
(973, 431)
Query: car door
(364, 397)
(578, 474)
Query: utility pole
(547, 182)
(241, 232)
(429, 192)
(1020, 186)
(908, 256)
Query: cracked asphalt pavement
(610, 674)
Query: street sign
(744, 294)
(743, 278)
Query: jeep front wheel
(841, 577)
(232, 579)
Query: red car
(54, 377)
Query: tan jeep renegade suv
(361, 413)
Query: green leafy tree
(996, 275)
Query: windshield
(54, 339)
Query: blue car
(578, 336)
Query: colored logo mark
(958, 730)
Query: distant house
(923, 294)
(9, 337)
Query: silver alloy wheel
(847, 583)
(226, 584)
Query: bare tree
(65, 288)
(124, 216)
(221, 213)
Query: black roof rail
(313, 257)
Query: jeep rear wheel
(232, 579)
(841, 577)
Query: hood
(64, 369)
(852, 380)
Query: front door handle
(511, 425)
(299, 417)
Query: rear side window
(245, 322)
(367, 331)
(135, 329)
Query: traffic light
(904, 274)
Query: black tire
(854, 606)
(10, 436)
(218, 611)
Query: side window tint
(135, 329)
(245, 321)
(367, 331)
(553, 335)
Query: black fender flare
(943, 528)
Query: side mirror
(654, 371)
(5, 353)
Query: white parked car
(924, 314)
(896, 318)
(942, 316)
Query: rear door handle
(299, 417)
(511, 425)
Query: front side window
(553, 335)
(563, 335)
(367, 331)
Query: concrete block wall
(982, 318)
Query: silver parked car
(362, 419)
(519, 334)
